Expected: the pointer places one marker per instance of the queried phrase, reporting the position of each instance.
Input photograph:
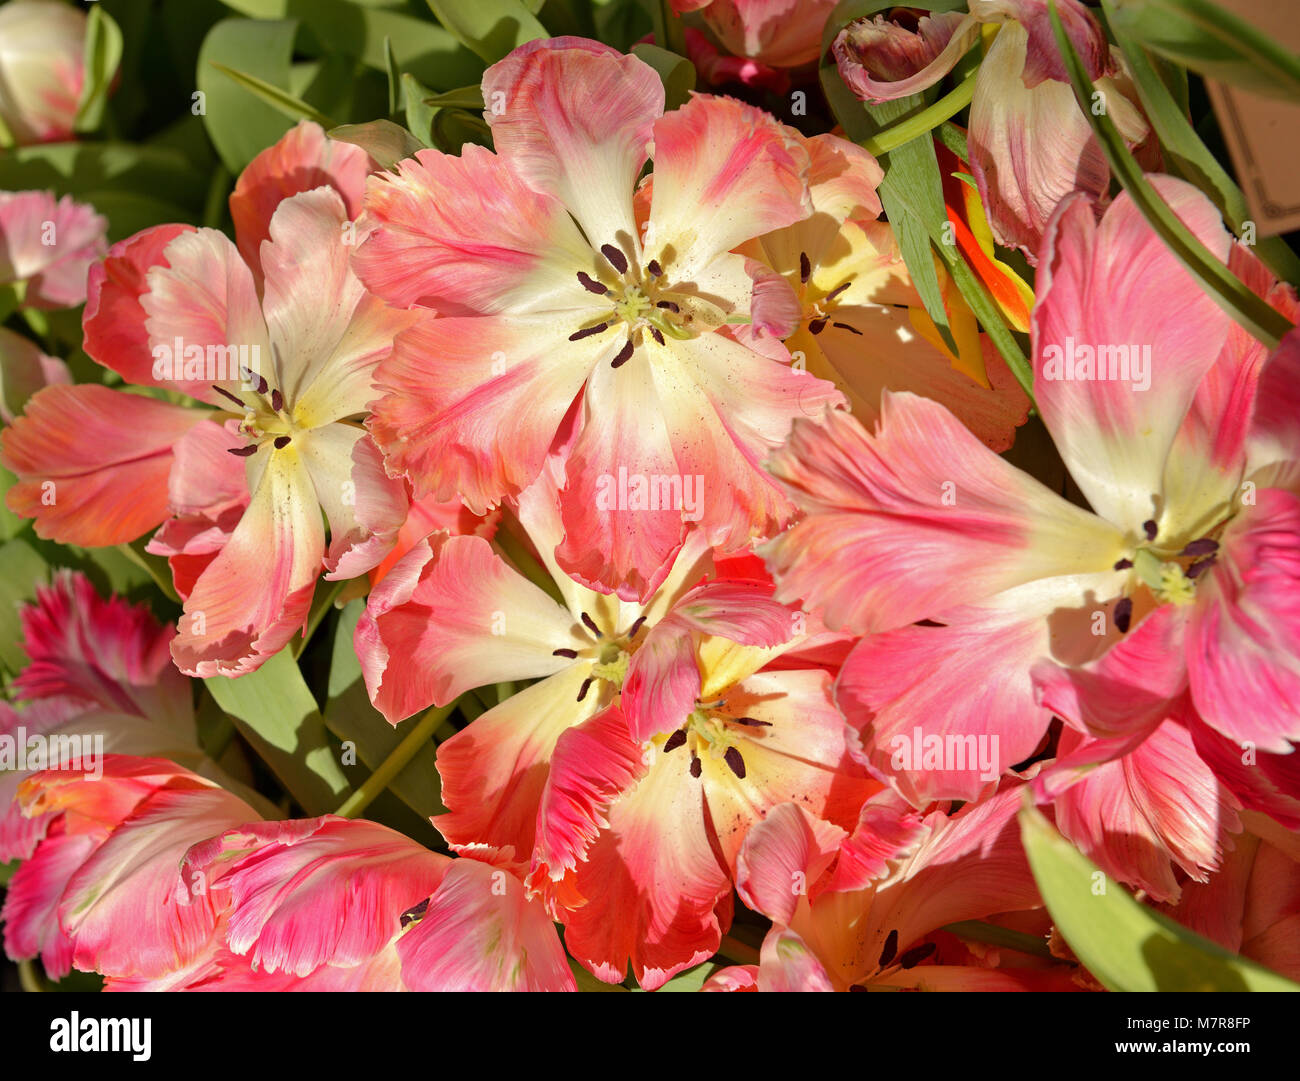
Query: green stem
(28, 978)
(397, 760)
(926, 120)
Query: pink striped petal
(202, 296)
(233, 622)
(494, 772)
(466, 236)
(593, 763)
(1243, 636)
(457, 617)
(50, 245)
(724, 172)
(103, 653)
(482, 933)
(32, 895)
(880, 60)
(917, 518)
(318, 891)
(303, 159)
(573, 118)
(93, 463)
(1103, 287)
(451, 384)
(1157, 805)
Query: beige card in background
(1263, 134)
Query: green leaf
(292, 107)
(350, 716)
(359, 28)
(239, 124)
(463, 97)
(275, 711)
(490, 28)
(1223, 287)
(394, 72)
(676, 72)
(101, 57)
(1189, 156)
(22, 569)
(1211, 41)
(419, 116)
(386, 142)
(1125, 944)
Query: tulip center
(708, 731)
(264, 415)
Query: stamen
(697, 767)
(916, 955)
(668, 305)
(1203, 547)
(591, 284)
(845, 326)
(1199, 567)
(891, 948)
(805, 267)
(277, 400)
(837, 291)
(656, 335)
(616, 258)
(655, 269)
(1124, 614)
(816, 326)
(570, 653)
(750, 722)
(1150, 528)
(587, 332)
(582, 691)
(675, 740)
(248, 374)
(1123, 564)
(928, 623)
(624, 355)
(226, 394)
(414, 912)
(280, 442)
(591, 624)
(733, 758)
(243, 452)
(631, 632)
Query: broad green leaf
(676, 72)
(489, 28)
(1125, 944)
(1189, 156)
(1211, 41)
(22, 569)
(1223, 287)
(10, 524)
(239, 124)
(102, 55)
(350, 716)
(275, 711)
(386, 142)
(359, 29)
(85, 170)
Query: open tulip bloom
(800, 533)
